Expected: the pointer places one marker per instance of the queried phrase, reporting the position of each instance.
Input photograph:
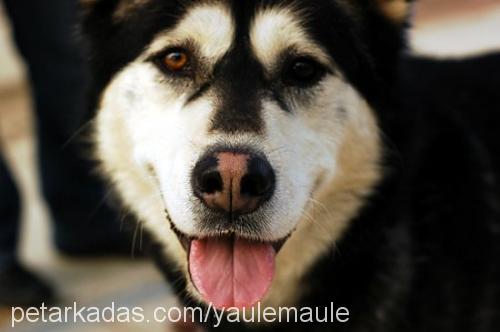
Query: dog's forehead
(216, 26)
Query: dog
(292, 153)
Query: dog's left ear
(382, 28)
(396, 11)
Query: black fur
(241, 78)
(424, 254)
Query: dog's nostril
(206, 179)
(260, 179)
(210, 182)
(255, 185)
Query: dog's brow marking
(276, 30)
(209, 26)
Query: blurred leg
(9, 217)
(18, 286)
(45, 33)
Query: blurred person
(44, 33)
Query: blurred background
(442, 28)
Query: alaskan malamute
(290, 153)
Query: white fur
(209, 26)
(275, 30)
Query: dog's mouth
(230, 271)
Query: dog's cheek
(115, 149)
(145, 149)
(327, 117)
(305, 145)
(184, 141)
(298, 153)
(133, 125)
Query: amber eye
(175, 61)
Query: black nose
(235, 182)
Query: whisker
(76, 134)
(141, 235)
(134, 239)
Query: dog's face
(227, 122)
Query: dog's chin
(230, 270)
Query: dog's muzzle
(227, 265)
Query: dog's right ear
(88, 3)
(116, 9)
(98, 9)
(88, 6)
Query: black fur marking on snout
(239, 80)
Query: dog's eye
(175, 60)
(303, 72)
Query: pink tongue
(231, 272)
